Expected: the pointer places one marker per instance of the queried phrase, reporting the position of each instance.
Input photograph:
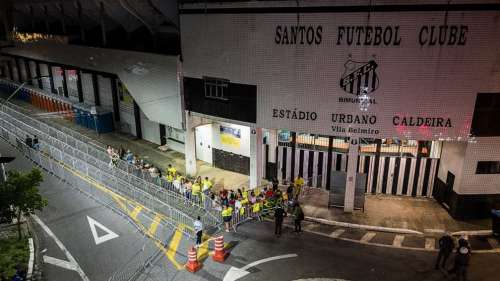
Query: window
(488, 167)
(216, 88)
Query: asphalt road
(66, 216)
(316, 256)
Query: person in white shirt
(198, 228)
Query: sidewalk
(420, 214)
(150, 152)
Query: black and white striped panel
(399, 175)
(310, 164)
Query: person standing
(227, 213)
(279, 214)
(198, 228)
(462, 258)
(446, 245)
(298, 217)
(28, 141)
(36, 145)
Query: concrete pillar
(190, 145)
(350, 184)
(273, 145)
(255, 157)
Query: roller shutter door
(58, 80)
(105, 94)
(71, 78)
(88, 88)
(44, 71)
(126, 105)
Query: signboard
(410, 75)
(230, 136)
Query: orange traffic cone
(220, 254)
(193, 265)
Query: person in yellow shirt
(256, 207)
(196, 191)
(171, 170)
(298, 184)
(227, 213)
(206, 185)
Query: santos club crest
(359, 76)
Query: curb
(473, 233)
(31, 260)
(367, 227)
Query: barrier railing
(99, 160)
(61, 162)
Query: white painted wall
(486, 149)
(204, 143)
(452, 159)
(176, 134)
(244, 148)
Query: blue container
(80, 111)
(103, 121)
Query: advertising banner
(230, 136)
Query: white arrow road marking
(58, 262)
(70, 258)
(235, 273)
(106, 237)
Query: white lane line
(430, 243)
(58, 262)
(398, 240)
(255, 263)
(337, 233)
(235, 273)
(61, 246)
(367, 237)
(493, 242)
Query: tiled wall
(485, 149)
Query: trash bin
(495, 222)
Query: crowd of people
(462, 256)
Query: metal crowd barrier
(60, 163)
(99, 160)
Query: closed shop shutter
(58, 80)
(23, 69)
(150, 129)
(71, 78)
(126, 105)
(88, 88)
(105, 94)
(32, 65)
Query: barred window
(488, 167)
(216, 88)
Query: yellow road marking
(122, 202)
(172, 247)
(136, 212)
(154, 225)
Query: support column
(328, 172)
(292, 164)
(65, 85)
(51, 80)
(272, 155)
(255, 157)
(114, 96)
(95, 86)
(190, 145)
(163, 135)
(28, 71)
(11, 70)
(137, 116)
(19, 74)
(79, 85)
(350, 185)
(38, 74)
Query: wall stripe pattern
(392, 175)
